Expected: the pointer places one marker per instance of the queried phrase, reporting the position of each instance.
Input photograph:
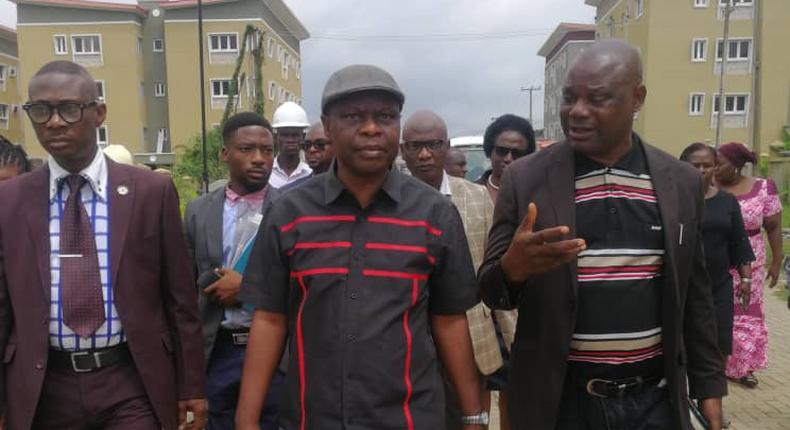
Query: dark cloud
(467, 78)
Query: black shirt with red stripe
(359, 286)
(620, 274)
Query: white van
(476, 161)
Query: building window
(100, 90)
(61, 47)
(640, 7)
(2, 76)
(251, 42)
(86, 45)
(102, 137)
(3, 112)
(163, 133)
(696, 104)
(272, 90)
(224, 42)
(699, 48)
(220, 88)
(159, 45)
(270, 47)
(736, 2)
(738, 49)
(700, 3)
(734, 104)
(159, 89)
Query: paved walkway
(767, 407)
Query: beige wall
(182, 75)
(10, 95)
(121, 69)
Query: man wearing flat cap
(368, 273)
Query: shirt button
(44, 321)
(354, 296)
(351, 338)
(40, 365)
(612, 210)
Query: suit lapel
(37, 220)
(560, 175)
(667, 195)
(213, 226)
(120, 199)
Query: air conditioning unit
(12, 72)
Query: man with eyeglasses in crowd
(424, 149)
(99, 325)
(508, 138)
(317, 149)
(367, 272)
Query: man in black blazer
(596, 240)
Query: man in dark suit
(99, 326)
(220, 227)
(596, 240)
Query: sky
(467, 60)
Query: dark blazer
(547, 303)
(203, 227)
(152, 285)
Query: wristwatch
(477, 419)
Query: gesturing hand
(534, 252)
(199, 409)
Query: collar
(333, 187)
(301, 169)
(257, 197)
(632, 161)
(445, 187)
(95, 173)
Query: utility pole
(203, 136)
(531, 89)
(725, 49)
(756, 99)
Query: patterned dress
(750, 335)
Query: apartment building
(10, 97)
(681, 42)
(559, 50)
(145, 60)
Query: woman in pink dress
(761, 209)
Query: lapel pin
(123, 190)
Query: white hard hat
(119, 154)
(290, 114)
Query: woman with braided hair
(13, 160)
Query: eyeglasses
(319, 144)
(515, 153)
(70, 112)
(415, 146)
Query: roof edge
(88, 4)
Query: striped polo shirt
(94, 198)
(620, 283)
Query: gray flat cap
(357, 78)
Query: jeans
(644, 408)
(222, 388)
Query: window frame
(272, 90)
(103, 93)
(219, 35)
(738, 41)
(734, 112)
(221, 96)
(74, 37)
(5, 107)
(700, 4)
(106, 135)
(704, 57)
(161, 47)
(701, 110)
(65, 39)
(157, 87)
